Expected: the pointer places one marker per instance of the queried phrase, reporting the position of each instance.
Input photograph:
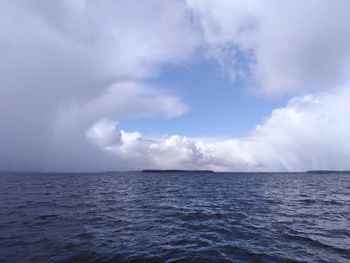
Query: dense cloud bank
(70, 69)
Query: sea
(174, 217)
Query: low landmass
(327, 172)
(176, 171)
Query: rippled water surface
(140, 217)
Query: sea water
(174, 217)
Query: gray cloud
(70, 69)
(278, 47)
(62, 63)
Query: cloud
(120, 100)
(278, 47)
(66, 64)
(69, 70)
(311, 132)
(104, 133)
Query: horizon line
(174, 171)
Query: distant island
(210, 171)
(176, 171)
(327, 172)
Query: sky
(241, 85)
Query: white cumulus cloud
(311, 132)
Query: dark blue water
(135, 217)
